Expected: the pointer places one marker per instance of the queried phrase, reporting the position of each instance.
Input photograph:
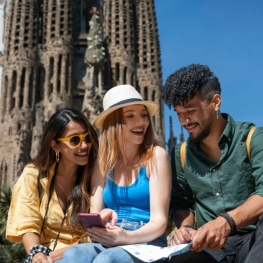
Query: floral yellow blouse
(27, 211)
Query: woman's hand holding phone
(108, 236)
(101, 220)
(91, 219)
(109, 215)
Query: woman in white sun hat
(132, 189)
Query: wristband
(37, 249)
(189, 226)
(230, 221)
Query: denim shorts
(134, 225)
(131, 225)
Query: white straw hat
(121, 96)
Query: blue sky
(227, 36)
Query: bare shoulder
(160, 152)
(161, 162)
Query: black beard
(200, 136)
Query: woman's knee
(83, 253)
(71, 253)
(115, 254)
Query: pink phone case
(91, 219)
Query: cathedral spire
(172, 140)
(182, 134)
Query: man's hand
(183, 235)
(213, 235)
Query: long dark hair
(46, 158)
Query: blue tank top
(131, 202)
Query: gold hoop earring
(57, 157)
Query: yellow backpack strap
(249, 136)
(182, 153)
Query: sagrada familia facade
(65, 53)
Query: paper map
(150, 253)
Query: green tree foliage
(5, 200)
(12, 252)
(9, 252)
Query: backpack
(248, 140)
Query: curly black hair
(186, 82)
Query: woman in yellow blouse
(54, 188)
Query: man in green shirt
(219, 185)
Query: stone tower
(69, 53)
(130, 29)
(172, 141)
(3, 9)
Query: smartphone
(91, 219)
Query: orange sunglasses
(76, 140)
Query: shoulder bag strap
(182, 154)
(249, 136)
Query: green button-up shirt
(218, 187)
